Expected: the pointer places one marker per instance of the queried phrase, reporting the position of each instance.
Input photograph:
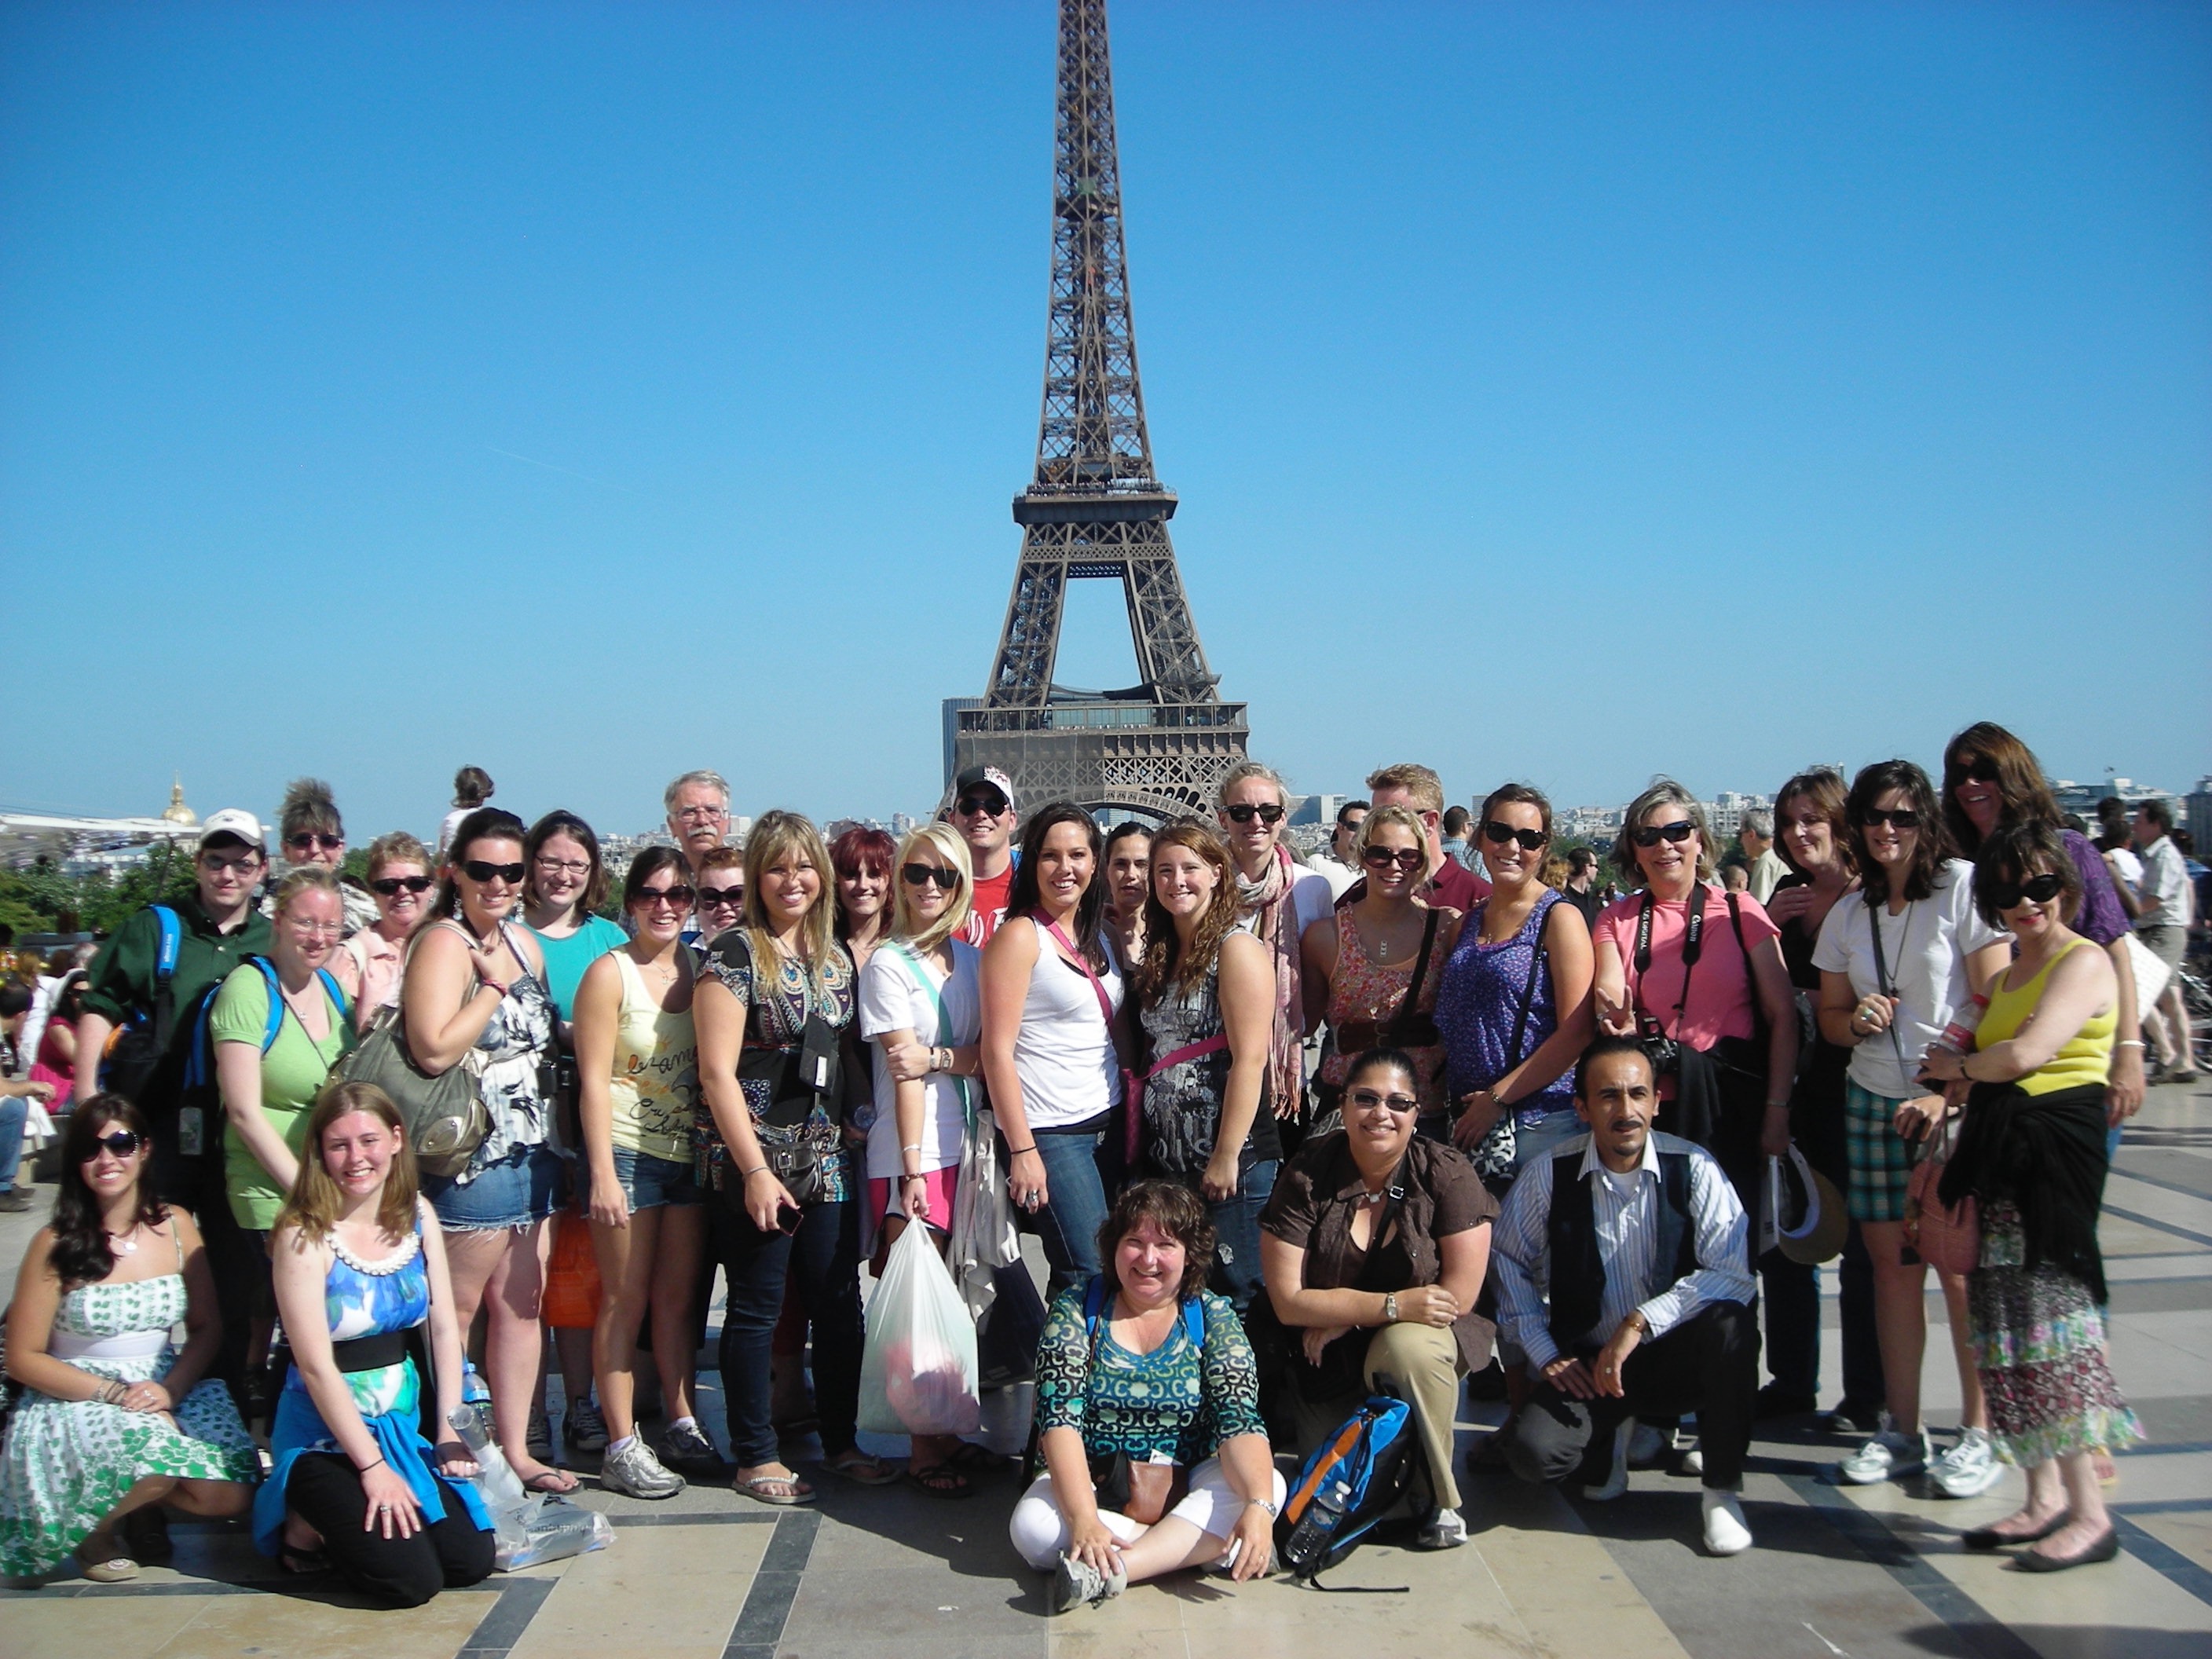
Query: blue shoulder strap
(173, 932)
(276, 1002)
(1094, 1309)
(337, 993)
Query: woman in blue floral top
(1148, 1413)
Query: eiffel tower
(1096, 510)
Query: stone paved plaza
(1861, 1572)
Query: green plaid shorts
(1881, 1159)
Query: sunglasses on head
(987, 806)
(1902, 817)
(121, 1142)
(1245, 811)
(2007, 896)
(679, 894)
(304, 842)
(1530, 840)
(1650, 835)
(1367, 1099)
(478, 870)
(732, 896)
(389, 885)
(918, 875)
(1980, 768)
(1382, 858)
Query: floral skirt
(2039, 1350)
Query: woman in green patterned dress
(115, 1418)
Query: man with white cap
(982, 811)
(148, 978)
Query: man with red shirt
(983, 812)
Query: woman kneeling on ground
(1374, 1247)
(361, 1269)
(116, 1419)
(1140, 1366)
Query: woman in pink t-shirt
(1697, 972)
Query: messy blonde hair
(940, 838)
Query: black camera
(1664, 1052)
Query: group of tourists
(1288, 1136)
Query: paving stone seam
(2167, 1227)
(509, 1616)
(760, 1623)
(2161, 1182)
(2163, 1559)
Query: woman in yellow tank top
(2034, 1157)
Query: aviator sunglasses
(478, 870)
(1650, 835)
(1245, 812)
(390, 886)
(920, 875)
(2007, 896)
(1530, 840)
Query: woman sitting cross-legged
(1374, 1247)
(1141, 1366)
(361, 1278)
(115, 1420)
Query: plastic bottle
(1959, 1035)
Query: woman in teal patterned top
(1144, 1366)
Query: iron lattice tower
(1096, 510)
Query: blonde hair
(305, 877)
(1404, 816)
(1662, 792)
(314, 1201)
(399, 847)
(776, 835)
(942, 840)
(1246, 769)
(1422, 786)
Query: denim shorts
(522, 1188)
(647, 1182)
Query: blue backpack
(1355, 1478)
(201, 1096)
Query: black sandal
(973, 1458)
(941, 1481)
(302, 1563)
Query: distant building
(2198, 814)
(1315, 809)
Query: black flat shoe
(1989, 1538)
(2098, 1549)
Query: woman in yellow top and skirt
(2034, 1157)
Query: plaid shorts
(1881, 1159)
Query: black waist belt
(370, 1353)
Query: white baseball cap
(233, 821)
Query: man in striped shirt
(1640, 1244)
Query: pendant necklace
(125, 1243)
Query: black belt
(370, 1353)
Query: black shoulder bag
(797, 1075)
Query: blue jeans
(13, 1114)
(1236, 1235)
(823, 1260)
(1067, 1226)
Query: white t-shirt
(1926, 948)
(1312, 897)
(1340, 877)
(1064, 1054)
(892, 1000)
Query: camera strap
(1693, 945)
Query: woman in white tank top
(1052, 1054)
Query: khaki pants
(1420, 1364)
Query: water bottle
(496, 1479)
(473, 1391)
(1959, 1035)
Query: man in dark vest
(1639, 1240)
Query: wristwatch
(1390, 1307)
(1635, 1317)
(1261, 1503)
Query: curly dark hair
(82, 1254)
(1930, 848)
(1175, 1211)
(1165, 962)
(2017, 852)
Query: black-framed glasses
(389, 886)
(917, 875)
(1530, 840)
(980, 805)
(680, 895)
(478, 870)
(1404, 857)
(1245, 811)
(2007, 896)
(1902, 817)
(1366, 1100)
(1978, 769)
(121, 1142)
(307, 841)
(1650, 835)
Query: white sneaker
(1969, 1468)
(1887, 1456)
(1648, 1447)
(1447, 1530)
(635, 1472)
(1725, 1532)
(1616, 1478)
(1075, 1582)
(1693, 1460)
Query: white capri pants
(1040, 1532)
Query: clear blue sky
(1559, 391)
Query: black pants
(1708, 1365)
(237, 1257)
(325, 1492)
(1793, 1292)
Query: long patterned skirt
(2039, 1350)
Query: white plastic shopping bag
(919, 1374)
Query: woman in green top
(268, 1091)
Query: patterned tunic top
(1362, 989)
(516, 1042)
(777, 1004)
(1179, 1399)
(1183, 1103)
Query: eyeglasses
(123, 1143)
(308, 929)
(702, 814)
(716, 898)
(2042, 888)
(305, 842)
(478, 870)
(1406, 858)
(1903, 818)
(917, 875)
(389, 886)
(678, 895)
(1245, 811)
(563, 866)
(980, 806)
(1650, 835)
(216, 866)
(1980, 769)
(1500, 834)
(1366, 1100)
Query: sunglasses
(1367, 1099)
(734, 898)
(123, 1143)
(328, 843)
(1245, 812)
(1650, 835)
(390, 886)
(680, 896)
(1980, 769)
(2007, 896)
(1530, 840)
(981, 806)
(920, 875)
(478, 870)
(1903, 818)
(1382, 858)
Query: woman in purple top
(1498, 1061)
(1991, 778)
